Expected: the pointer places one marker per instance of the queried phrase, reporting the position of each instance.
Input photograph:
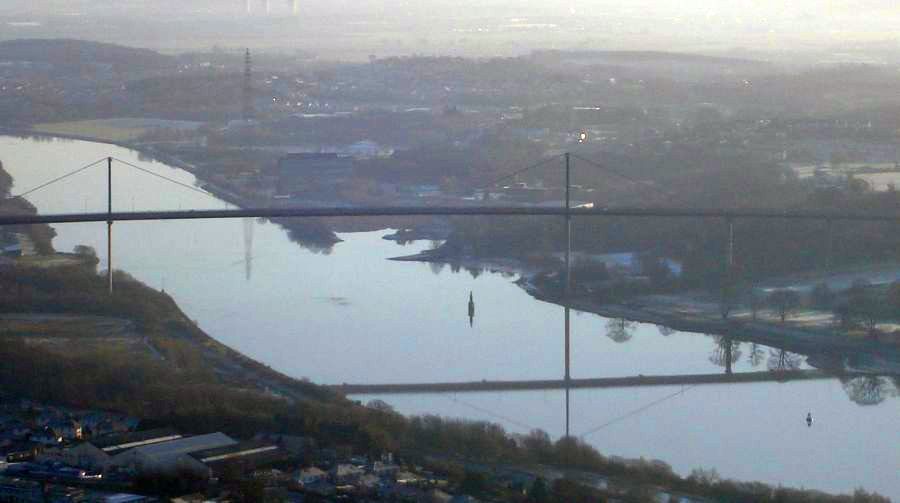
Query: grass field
(117, 130)
(99, 129)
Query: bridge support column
(109, 223)
(568, 282)
(730, 244)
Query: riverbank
(171, 328)
(312, 233)
(836, 351)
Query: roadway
(728, 214)
(559, 384)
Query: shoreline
(821, 345)
(297, 230)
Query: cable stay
(58, 179)
(176, 182)
(637, 411)
(525, 169)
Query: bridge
(566, 210)
(424, 211)
(562, 384)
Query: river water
(353, 316)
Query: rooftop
(114, 444)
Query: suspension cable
(623, 176)
(636, 412)
(522, 170)
(176, 182)
(59, 178)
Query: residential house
(344, 474)
(310, 475)
(46, 437)
(68, 429)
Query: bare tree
(781, 360)
(665, 331)
(756, 355)
(784, 302)
(725, 353)
(619, 330)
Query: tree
(757, 301)
(85, 251)
(725, 353)
(665, 331)
(781, 360)
(728, 297)
(822, 296)
(867, 390)
(784, 302)
(864, 306)
(619, 330)
(894, 295)
(756, 355)
(539, 492)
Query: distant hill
(646, 57)
(74, 52)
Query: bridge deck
(603, 382)
(448, 211)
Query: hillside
(79, 52)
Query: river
(352, 316)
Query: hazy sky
(685, 25)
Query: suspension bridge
(566, 210)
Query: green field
(99, 129)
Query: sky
(681, 25)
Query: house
(367, 149)
(171, 456)
(68, 429)
(462, 498)
(310, 475)
(346, 474)
(382, 468)
(46, 437)
(405, 477)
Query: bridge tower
(247, 105)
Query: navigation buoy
(471, 309)
(809, 419)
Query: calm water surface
(353, 316)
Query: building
(98, 454)
(171, 456)
(311, 475)
(245, 456)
